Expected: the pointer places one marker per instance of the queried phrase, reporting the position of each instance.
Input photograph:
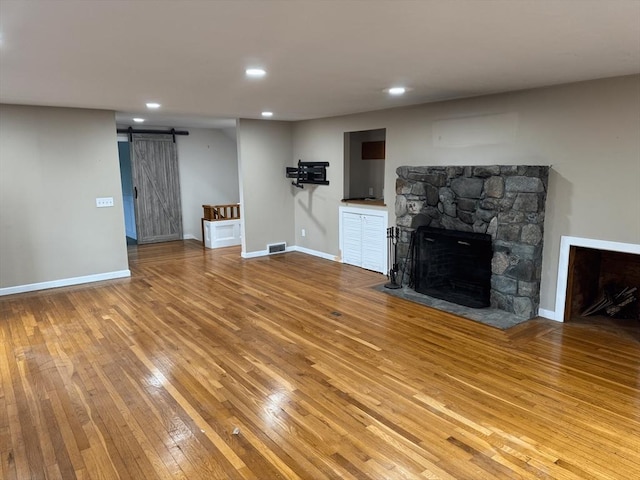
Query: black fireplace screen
(453, 266)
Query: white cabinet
(222, 233)
(363, 238)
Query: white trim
(264, 253)
(372, 210)
(563, 264)
(294, 248)
(363, 206)
(550, 314)
(315, 253)
(65, 282)
(257, 253)
(189, 236)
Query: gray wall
(208, 161)
(54, 162)
(264, 150)
(587, 131)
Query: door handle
(135, 192)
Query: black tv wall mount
(314, 173)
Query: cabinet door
(374, 243)
(352, 239)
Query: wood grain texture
(156, 178)
(204, 365)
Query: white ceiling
(323, 57)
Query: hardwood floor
(204, 365)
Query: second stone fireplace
(506, 202)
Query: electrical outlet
(102, 202)
(303, 232)
(371, 191)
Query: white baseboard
(64, 282)
(316, 253)
(550, 314)
(264, 253)
(257, 253)
(188, 236)
(294, 248)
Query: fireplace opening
(591, 273)
(453, 265)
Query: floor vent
(277, 247)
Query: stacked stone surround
(504, 201)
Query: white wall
(208, 162)
(264, 152)
(54, 162)
(587, 131)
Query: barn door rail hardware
(131, 131)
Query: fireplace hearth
(453, 266)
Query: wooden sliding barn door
(156, 188)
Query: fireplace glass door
(453, 266)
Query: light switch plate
(102, 202)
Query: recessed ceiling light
(396, 90)
(267, 114)
(138, 120)
(255, 72)
(153, 105)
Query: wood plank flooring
(207, 366)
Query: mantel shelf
(375, 203)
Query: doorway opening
(151, 188)
(126, 179)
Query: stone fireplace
(506, 202)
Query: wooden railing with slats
(214, 213)
(221, 212)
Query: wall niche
(364, 156)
